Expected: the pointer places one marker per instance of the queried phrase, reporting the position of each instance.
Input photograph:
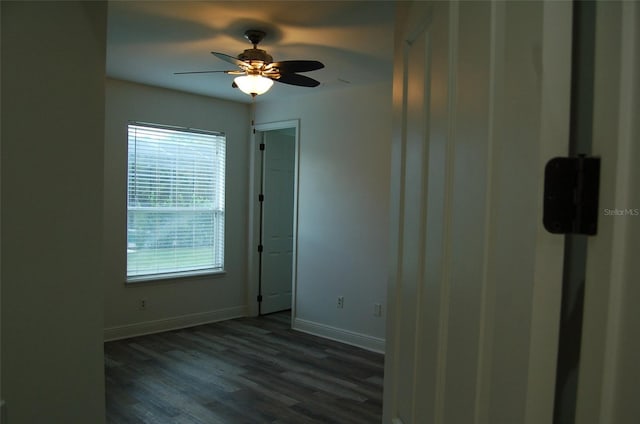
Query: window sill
(193, 275)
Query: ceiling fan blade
(229, 59)
(203, 72)
(295, 79)
(292, 66)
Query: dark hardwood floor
(247, 370)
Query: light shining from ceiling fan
(254, 85)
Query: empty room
(345, 212)
(315, 199)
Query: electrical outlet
(377, 309)
(340, 302)
(143, 304)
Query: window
(175, 202)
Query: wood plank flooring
(242, 371)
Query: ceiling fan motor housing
(255, 55)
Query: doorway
(274, 201)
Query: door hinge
(260, 197)
(260, 248)
(259, 298)
(261, 146)
(571, 192)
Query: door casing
(609, 374)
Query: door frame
(607, 380)
(254, 211)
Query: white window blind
(175, 202)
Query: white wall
(53, 56)
(343, 216)
(178, 302)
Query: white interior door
(481, 103)
(277, 224)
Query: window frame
(179, 274)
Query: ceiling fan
(257, 70)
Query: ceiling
(150, 40)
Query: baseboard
(172, 323)
(364, 341)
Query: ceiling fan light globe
(254, 85)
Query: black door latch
(571, 191)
